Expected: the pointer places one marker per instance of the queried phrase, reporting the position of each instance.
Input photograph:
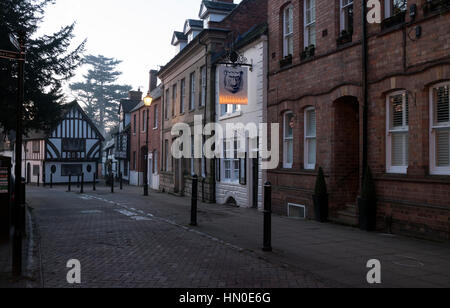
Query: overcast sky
(138, 32)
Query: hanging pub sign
(233, 85)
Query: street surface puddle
(92, 212)
(126, 213)
(407, 262)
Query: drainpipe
(365, 89)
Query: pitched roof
(127, 104)
(155, 94)
(194, 23)
(218, 5)
(67, 107)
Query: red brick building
(316, 92)
(146, 144)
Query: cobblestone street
(128, 240)
(121, 246)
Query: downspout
(365, 90)
(213, 199)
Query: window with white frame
(231, 161)
(203, 86)
(288, 31)
(288, 140)
(229, 109)
(310, 139)
(346, 23)
(397, 150)
(440, 129)
(310, 22)
(192, 92)
(394, 7)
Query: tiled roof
(194, 23)
(128, 105)
(180, 36)
(217, 5)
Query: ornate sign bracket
(233, 58)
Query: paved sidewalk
(336, 253)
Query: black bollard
(82, 184)
(70, 183)
(121, 181)
(38, 176)
(112, 183)
(78, 181)
(267, 217)
(194, 200)
(95, 180)
(51, 180)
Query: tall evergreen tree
(50, 62)
(99, 92)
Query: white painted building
(73, 147)
(240, 181)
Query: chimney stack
(135, 95)
(153, 80)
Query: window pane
(289, 152)
(289, 132)
(311, 123)
(443, 148)
(311, 151)
(400, 149)
(442, 105)
(397, 111)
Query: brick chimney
(135, 95)
(153, 80)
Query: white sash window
(440, 129)
(288, 31)
(310, 22)
(397, 133)
(288, 140)
(310, 139)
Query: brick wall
(417, 203)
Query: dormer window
(214, 11)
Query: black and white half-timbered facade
(73, 147)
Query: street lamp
(147, 103)
(148, 100)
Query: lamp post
(147, 103)
(18, 201)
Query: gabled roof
(216, 6)
(193, 24)
(66, 109)
(178, 37)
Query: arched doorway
(346, 153)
